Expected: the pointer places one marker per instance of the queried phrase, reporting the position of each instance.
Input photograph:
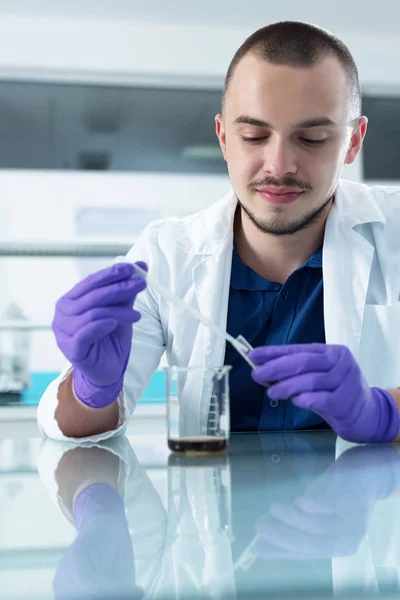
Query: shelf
(12, 325)
(65, 249)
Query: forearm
(75, 419)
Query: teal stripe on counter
(154, 394)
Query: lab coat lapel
(210, 237)
(347, 261)
(211, 280)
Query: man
(303, 264)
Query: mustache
(286, 182)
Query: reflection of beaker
(202, 486)
(199, 523)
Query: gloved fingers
(352, 504)
(315, 401)
(305, 383)
(277, 369)
(142, 265)
(308, 547)
(73, 324)
(335, 403)
(345, 360)
(268, 550)
(262, 354)
(297, 544)
(293, 516)
(321, 497)
(341, 412)
(121, 292)
(99, 279)
(76, 347)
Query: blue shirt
(269, 313)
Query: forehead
(283, 94)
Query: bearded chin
(279, 228)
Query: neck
(276, 257)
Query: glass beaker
(192, 429)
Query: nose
(279, 158)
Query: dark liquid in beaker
(198, 444)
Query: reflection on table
(280, 515)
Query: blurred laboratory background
(107, 122)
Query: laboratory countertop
(280, 515)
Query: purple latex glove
(331, 517)
(326, 379)
(93, 329)
(100, 563)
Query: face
(287, 130)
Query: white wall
(56, 46)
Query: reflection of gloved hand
(331, 517)
(100, 562)
(327, 379)
(81, 466)
(93, 329)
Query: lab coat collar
(207, 231)
(356, 204)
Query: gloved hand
(332, 516)
(100, 563)
(93, 329)
(326, 379)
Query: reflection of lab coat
(192, 257)
(175, 555)
(378, 555)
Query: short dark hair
(298, 44)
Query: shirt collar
(315, 261)
(244, 277)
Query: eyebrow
(318, 122)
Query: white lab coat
(192, 257)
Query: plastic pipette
(247, 558)
(240, 344)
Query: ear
(220, 131)
(356, 140)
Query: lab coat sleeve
(147, 349)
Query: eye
(253, 139)
(313, 142)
